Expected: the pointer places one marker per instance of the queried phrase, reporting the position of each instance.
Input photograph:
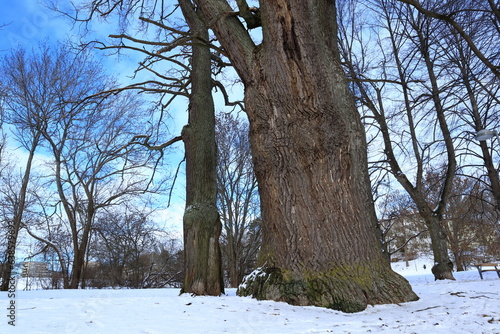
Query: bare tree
(92, 166)
(453, 12)
(477, 95)
(426, 119)
(122, 240)
(128, 250)
(237, 197)
(173, 45)
(417, 112)
(26, 95)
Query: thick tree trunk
(319, 231)
(202, 226)
(320, 238)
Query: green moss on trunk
(344, 288)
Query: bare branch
(143, 140)
(448, 19)
(219, 85)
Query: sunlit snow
(467, 305)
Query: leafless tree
(477, 96)
(424, 120)
(237, 197)
(123, 238)
(98, 169)
(91, 165)
(25, 91)
(416, 113)
(186, 49)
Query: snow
(259, 272)
(467, 305)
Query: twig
(427, 308)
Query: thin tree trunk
(202, 226)
(320, 239)
(432, 213)
(19, 208)
(80, 250)
(493, 175)
(232, 261)
(443, 267)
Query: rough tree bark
(202, 226)
(320, 237)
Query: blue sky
(25, 23)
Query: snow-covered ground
(467, 305)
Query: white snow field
(467, 305)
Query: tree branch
(448, 19)
(143, 140)
(231, 34)
(408, 240)
(251, 15)
(219, 85)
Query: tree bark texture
(443, 267)
(320, 239)
(202, 226)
